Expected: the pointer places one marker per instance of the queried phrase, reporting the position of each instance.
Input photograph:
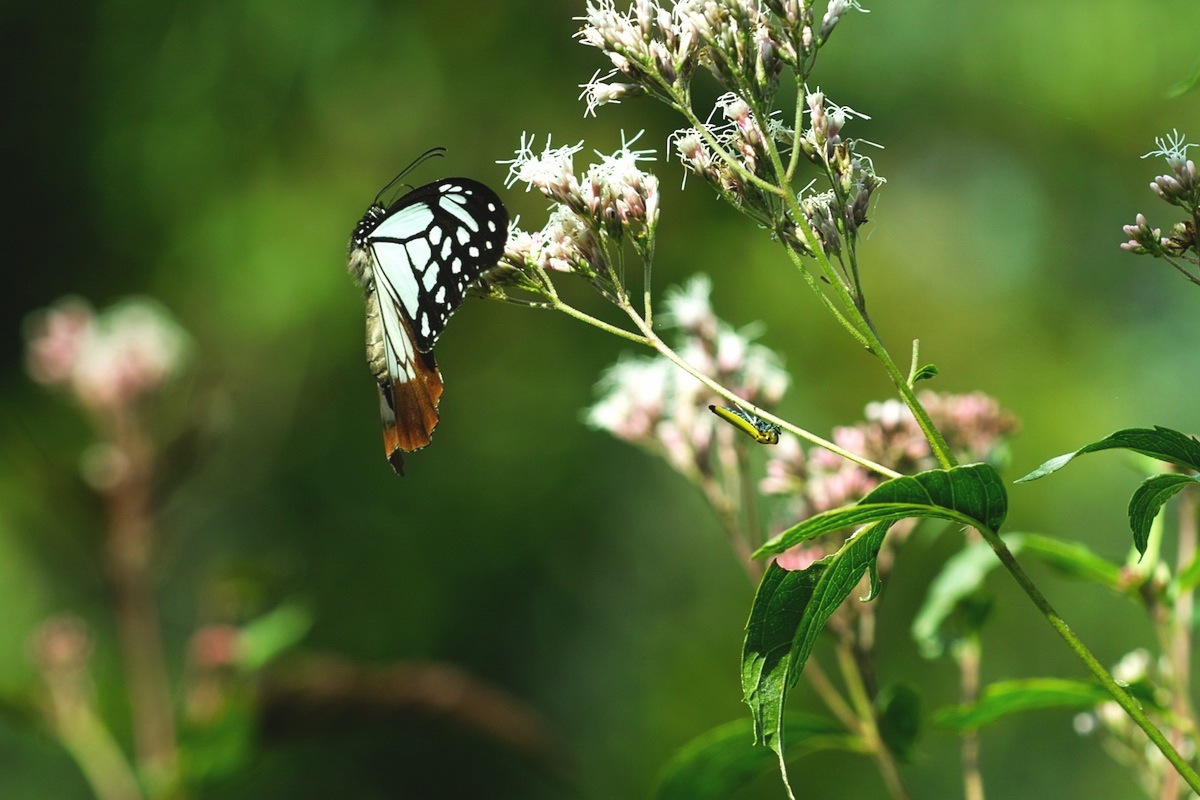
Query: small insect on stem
(757, 429)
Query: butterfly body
(415, 260)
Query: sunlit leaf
(1010, 697)
(789, 611)
(1163, 444)
(961, 576)
(972, 495)
(1189, 576)
(272, 634)
(1072, 559)
(1148, 500)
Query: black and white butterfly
(416, 257)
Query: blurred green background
(216, 156)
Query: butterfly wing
(410, 385)
(426, 251)
(433, 244)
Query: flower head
(551, 172)
(599, 92)
(106, 360)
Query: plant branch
(865, 714)
(571, 311)
(1122, 698)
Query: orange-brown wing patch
(408, 394)
(409, 410)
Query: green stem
(1122, 698)
(937, 442)
(129, 554)
(967, 656)
(829, 694)
(865, 713)
(658, 344)
(1182, 269)
(571, 311)
(797, 124)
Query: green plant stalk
(1179, 645)
(89, 742)
(128, 551)
(864, 330)
(946, 459)
(1122, 698)
(865, 714)
(571, 311)
(967, 655)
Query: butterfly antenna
(433, 152)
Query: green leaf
(1010, 697)
(789, 611)
(1148, 500)
(1163, 444)
(925, 373)
(1189, 577)
(272, 634)
(715, 765)
(1070, 558)
(899, 718)
(1185, 85)
(972, 495)
(961, 576)
(780, 603)
(223, 742)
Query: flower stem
(865, 713)
(967, 656)
(571, 311)
(1122, 698)
(128, 550)
(1179, 645)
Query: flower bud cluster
(612, 200)
(651, 403)
(655, 48)
(108, 360)
(744, 138)
(647, 45)
(742, 46)
(1151, 679)
(614, 194)
(1181, 188)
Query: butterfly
(415, 258)
(759, 429)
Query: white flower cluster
(614, 199)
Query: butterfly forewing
(417, 258)
(432, 245)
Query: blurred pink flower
(105, 360)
